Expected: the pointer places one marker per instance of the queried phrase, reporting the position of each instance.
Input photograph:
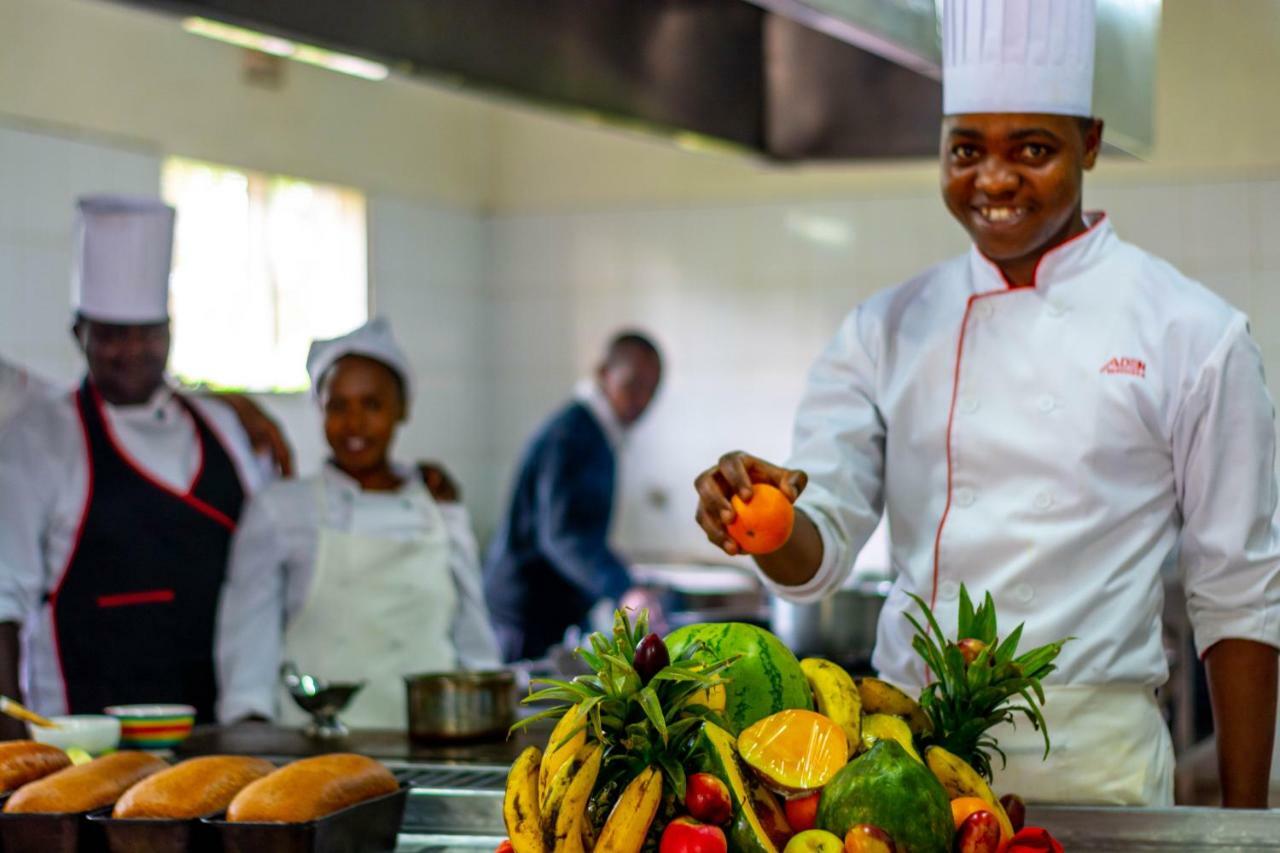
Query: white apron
(378, 609)
(1110, 747)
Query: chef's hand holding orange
(745, 504)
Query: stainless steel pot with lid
(460, 706)
(841, 627)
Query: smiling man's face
(1014, 181)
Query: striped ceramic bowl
(153, 726)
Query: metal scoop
(322, 700)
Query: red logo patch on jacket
(1126, 367)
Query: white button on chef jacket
(1064, 518)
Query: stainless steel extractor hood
(786, 79)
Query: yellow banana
(554, 756)
(632, 814)
(551, 796)
(881, 697)
(961, 780)
(837, 697)
(520, 804)
(567, 820)
(888, 727)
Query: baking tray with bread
(134, 801)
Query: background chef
(1047, 417)
(118, 501)
(550, 562)
(360, 572)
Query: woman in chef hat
(361, 572)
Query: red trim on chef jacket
(75, 546)
(124, 599)
(186, 497)
(1035, 271)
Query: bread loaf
(312, 788)
(89, 786)
(23, 761)
(198, 787)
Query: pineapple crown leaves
(967, 699)
(639, 724)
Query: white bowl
(94, 733)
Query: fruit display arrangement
(718, 739)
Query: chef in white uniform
(117, 500)
(1048, 418)
(358, 572)
(19, 387)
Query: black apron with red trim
(133, 616)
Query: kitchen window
(262, 265)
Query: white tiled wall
(742, 298)
(40, 177)
(501, 314)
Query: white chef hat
(123, 252)
(1018, 56)
(372, 340)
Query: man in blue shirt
(550, 562)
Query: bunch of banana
(836, 697)
(554, 819)
(881, 697)
(961, 780)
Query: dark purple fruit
(1016, 809)
(651, 657)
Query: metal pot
(841, 627)
(460, 706)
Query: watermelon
(889, 789)
(765, 680)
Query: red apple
(1016, 809)
(802, 811)
(505, 847)
(685, 835)
(971, 648)
(865, 838)
(707, 799)
(980, 833)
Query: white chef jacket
(18, 388)
(1050, 444)
(273, 561)
(44, 483)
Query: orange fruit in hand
(763, 524)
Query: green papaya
(887, 788)
(759, 821)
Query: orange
(763, 524)
(962, 807)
